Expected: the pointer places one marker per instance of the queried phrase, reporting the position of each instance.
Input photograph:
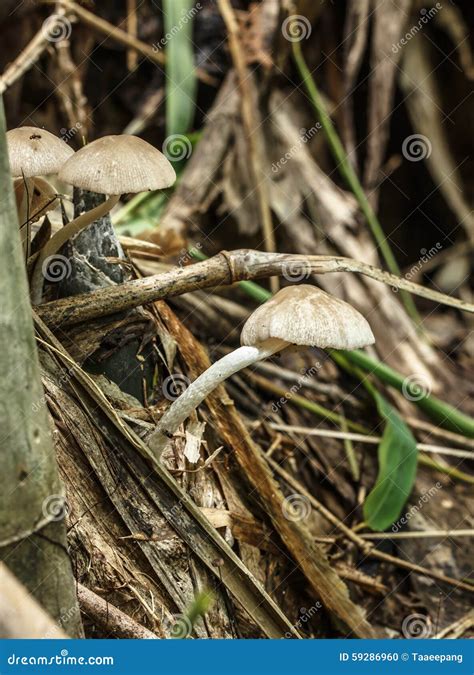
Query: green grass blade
(181, 81)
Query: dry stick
(423, 458)
(28, 57)
(110, 618)
(102, 26)
(132, 26)
(114, 33)
(367, 548)
(438, 431)
(250, 128)
(347, 435)
(225, 268)
(457, 628)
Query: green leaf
(181, 81)
(397, 468)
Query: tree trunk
(32, 508)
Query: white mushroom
(33, 152)
(112, 165)
(297, 315)
(43, 197)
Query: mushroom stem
(211, 378)
(61, 237)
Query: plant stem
(349, 174)
(443, 413)
(202, 386)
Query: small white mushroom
(297, 315)
(33, 152)
(43, 197)
(112, 165)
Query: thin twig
(456, 629)
(29, 55)
(113, 32)
(111, 618)
(250, 128)
(343, 435)
(434, 430)
(132, 26)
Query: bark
(32, 531)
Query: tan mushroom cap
(306, 315)
(35, 152)
(43, 198)
(116, 165)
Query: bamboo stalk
(32, 507)
(227, 267)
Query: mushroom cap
(306, 315)
(35, 152)
(115, 165)
(44, 197)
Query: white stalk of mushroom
(112, 165)
(297, 315)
